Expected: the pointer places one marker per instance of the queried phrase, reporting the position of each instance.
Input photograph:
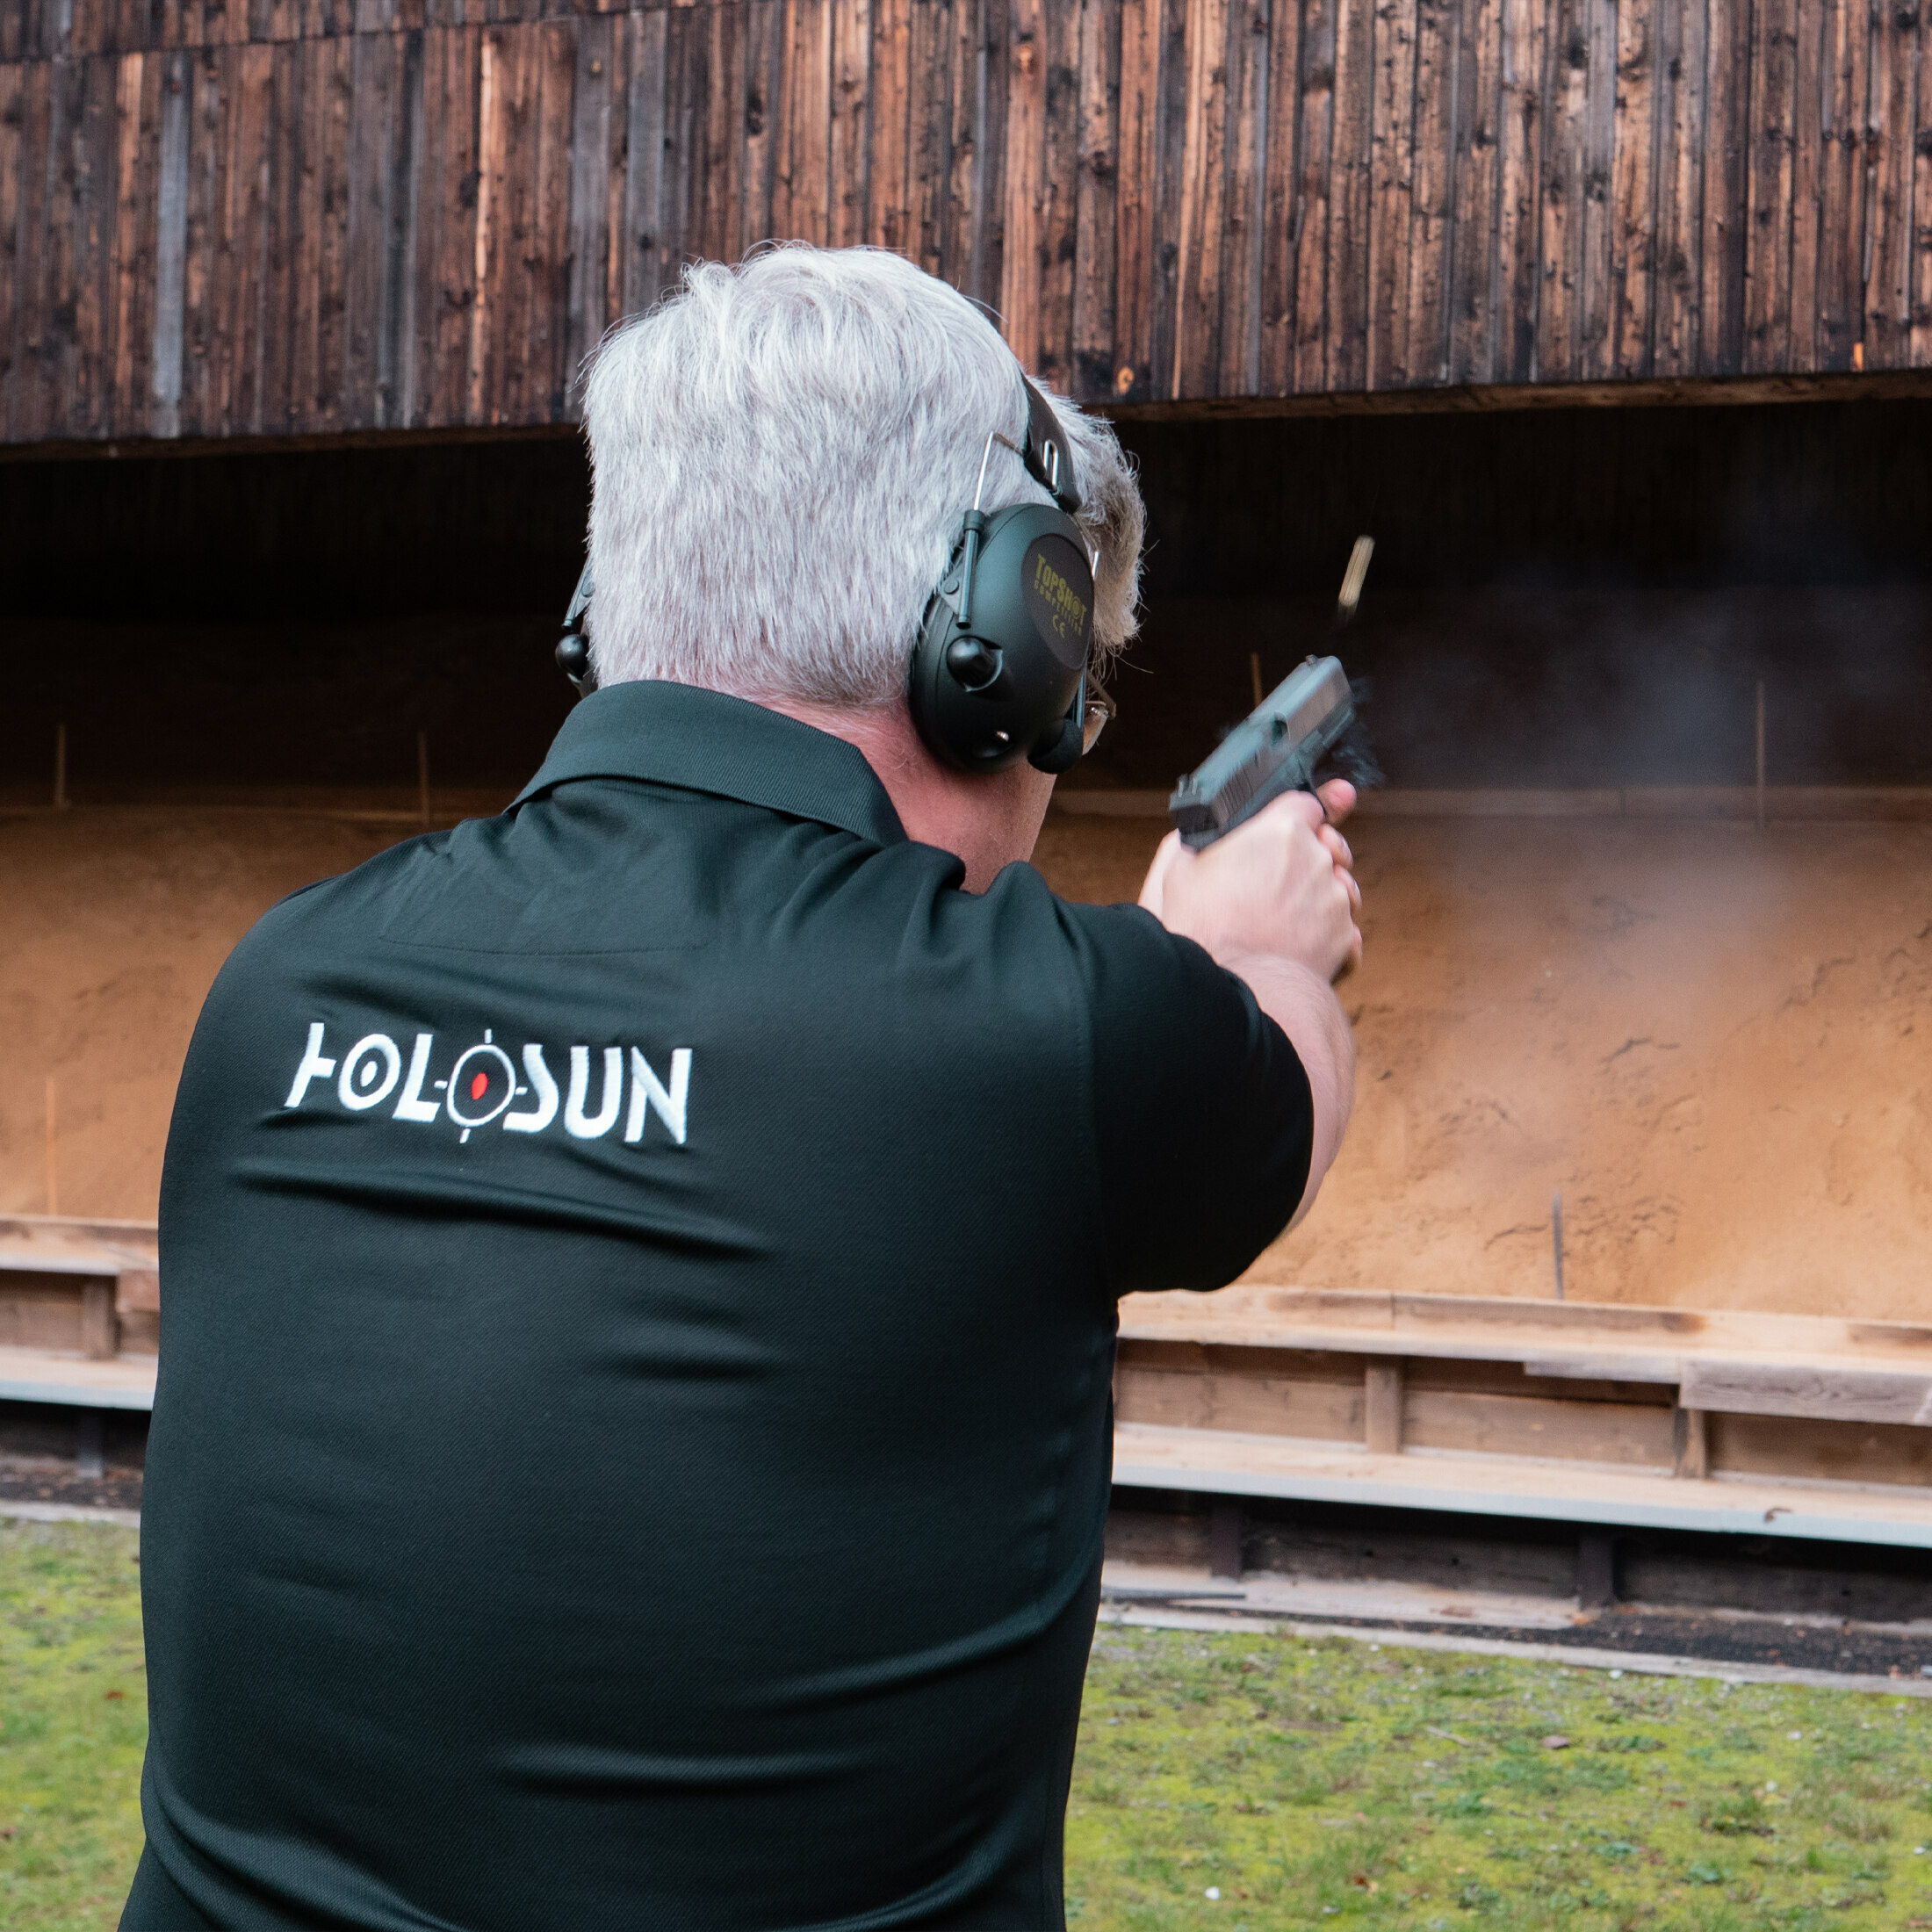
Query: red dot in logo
(479, 1086)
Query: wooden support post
(1382, 1407)
(89, 1445)
(100, 1325)
(1224, 1530)
(1596, 1570)
(1689, 1443)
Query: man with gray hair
(632, 1439)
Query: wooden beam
(1382, 1405)
(1689, 1443)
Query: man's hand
(1283, 885)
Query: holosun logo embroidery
(484, 1080)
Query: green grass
(73, 1724)
(1305, 1782)
(1310, 1783)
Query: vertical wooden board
(396, 366)
(281, 244)
(1138, 152)
(1096, 203)
(136, 108)
(372, 108)
(1472, 293)
(247, 223)
(1728, 69)
(686, 51)
(1677, 328)
(1060, 164)
(1424, 330)
(764, 40)
(1597, 244)
(1767, 187)
(1841, 183)
(724, 131)
(1238, 370)
(1808, 166)
(1350, 197)
(547, 256)
(200, 281)
(888, 212)
(929, 115)
(1315, 160)
(1633, 209)
(37, 273)
(586, 317)
(55, 161)
(514, 363)
(850, 78)
(1918, 345)
(495, 72)
(1392, 155)
(445, 258)
(644, 272)
(1889, 213)
(1519, 212)
(88, 408)
(801, 187)
(304, 315)
(13, 292)
(985, 261)
(1565, 136)
(335, 400)
(1274, 255)
(1025, 91)
(173, 146)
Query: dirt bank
(1713, 1042)
(1716, 1043)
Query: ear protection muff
(998, 672)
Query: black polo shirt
(633, 1438)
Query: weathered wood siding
(278, 217)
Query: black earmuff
(998, 672)
(573, 647)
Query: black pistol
(1275, 749)
(1280, 744)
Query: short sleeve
(1204, 1121)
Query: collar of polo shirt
(699, 740)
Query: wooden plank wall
(266, 217)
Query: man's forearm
(1303, 1005)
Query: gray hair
(782, 454)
